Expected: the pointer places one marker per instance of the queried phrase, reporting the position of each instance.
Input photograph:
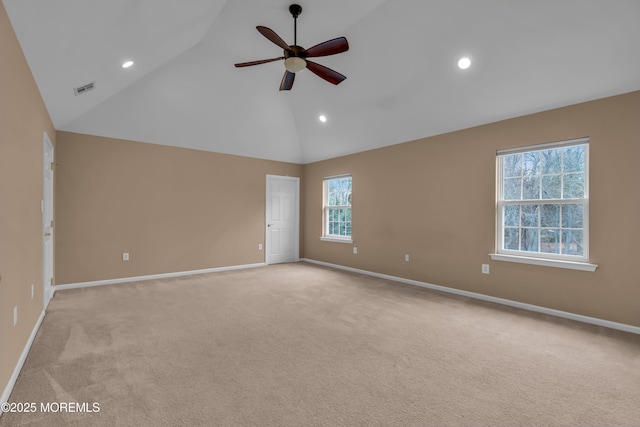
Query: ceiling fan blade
(326, 73)
(287, 80)
(271, 35)
(330, 47)
(262, 61)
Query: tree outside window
(543, 201)
(338, 207)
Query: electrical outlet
(355, 250)
(259, 246)
(15, 315)
(32, 289)
(485, 268)
(125, 256)
(406, 257)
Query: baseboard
(524, 306)
(154, 276)
(16, 371)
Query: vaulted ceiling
(402, 82)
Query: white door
(282, 215)
(47, 221)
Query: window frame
(580, 262)
(326, 208)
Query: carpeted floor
(302, 345)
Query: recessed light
(322, 118)
(464, 63)
(127, 64)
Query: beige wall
(171, 209)
(435, 199)
(23, 119)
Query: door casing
(47, 221)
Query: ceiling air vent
(86, 88)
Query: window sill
(573, 265)
(337, 240)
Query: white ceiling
(402, 79)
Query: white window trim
(336, 239)
(325, 220)
(547, 262)
(537, 258)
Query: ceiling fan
(295, 57)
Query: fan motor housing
(297, 51)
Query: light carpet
(303, 345)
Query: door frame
(267, 242)
(48, 190)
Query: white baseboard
(16, 371)
(524, 306)
(155, 276)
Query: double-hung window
(543, 201)
(337, 208)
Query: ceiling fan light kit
(294, 64)
(295, 57)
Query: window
(337, 208)
(543, 201)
